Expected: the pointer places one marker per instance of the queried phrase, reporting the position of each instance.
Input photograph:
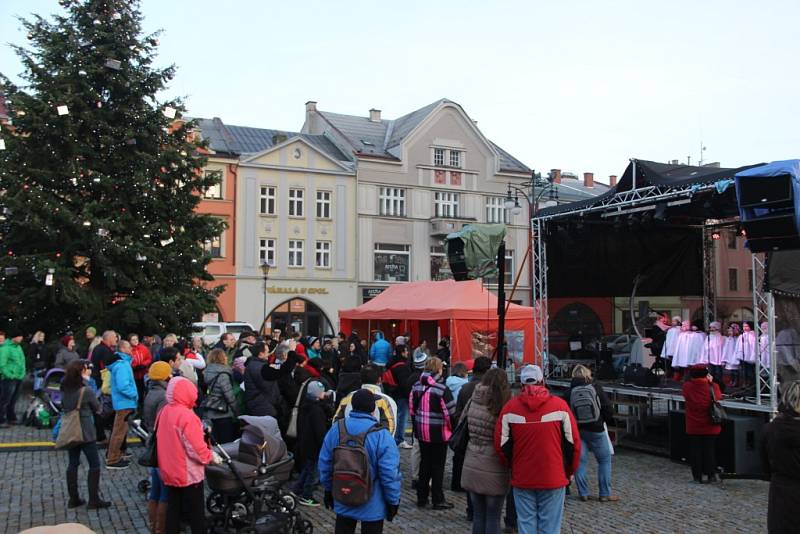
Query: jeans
(402, 418)
(539, 511)
(158, 491)
(486, 512)
(702, 456)
(347, 525)
(89, 450)
(304, 486)
(118, 435)
(598, 443)
(187, 504)
(431, 471)
(9, 391)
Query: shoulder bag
(71, 432)
(460, 438)
(149, 457)
(215, 402)
(291, 430)
(716, 411)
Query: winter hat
(93, 330)
(11, 333)
(311, 340)
(363, 401)
(716, 324)
(531, 374)
(315, 389)
(65, 340)
(400, 340)
(419, 359)
(159, 371)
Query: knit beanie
(65, 340)
(159, 371)
(363, 401)
(315, 389)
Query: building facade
(421, 177)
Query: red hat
(66, 339)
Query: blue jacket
(454, 383)
(384, 464)
(123, 388)
(381, 351)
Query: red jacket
(698, 407)
(181, 447)
(536, 434)
(141, 360)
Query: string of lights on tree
(99, 181)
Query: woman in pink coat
(182, 456)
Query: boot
(72, 488)
(161, 518)
(95, 502)
(152, 510)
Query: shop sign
(298, 290)
(368, 293)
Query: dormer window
(438, 157)
(455, 159)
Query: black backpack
(352, 480)
(585, 404)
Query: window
(266, 251)
(323, 254)
(295, 253)
(733, 280)
(509, 274)
(215, 191)
(295, 202)
(440, 268)
(213, 246)
(267, 200)
(393, 201)
(496, 211)
(749, 279)
(438, 157)
(732, 240)
(323, 204)
(392, 262)
(455, 158)
(446, 204)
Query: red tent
(465, 311)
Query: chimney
(556, 174)
(374, 115)
(588, 179)
(612, 180)
(311, 105)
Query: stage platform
(671, 392)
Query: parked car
(212, 331)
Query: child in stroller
(46, 406)
(246, 490)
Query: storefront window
(392, 262)
(440, 268)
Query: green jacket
(12, 361)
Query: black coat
(780, 456)
(102, 355)
(399, 368)
(312, 424)
(39, 356)
(465, 394)
(348, 383)
(262, 397)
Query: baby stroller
(42, 410)
(138, 430)
(246, 490)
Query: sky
(582, 86)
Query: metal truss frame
(763, 301)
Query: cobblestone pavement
(656, 498)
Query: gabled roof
(238, 140)
(383, 139)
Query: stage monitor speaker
(456, 259)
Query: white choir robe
(713, 349)
(668, 350)
(729, 353)
(696, 347)
(746, 347)
(763, 350)
(681, 358)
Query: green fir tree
(99, 182)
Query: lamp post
(265, 272)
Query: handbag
(215, 403)
(460, 438)
(71, 432)
(149, 457)
(716, 411)
(291, 430)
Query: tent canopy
(431, 301)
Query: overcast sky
(581, 86)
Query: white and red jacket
(181, 446)
(537, 436)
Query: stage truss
(647, 198)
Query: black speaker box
(773, 244)
(456, 259)
(765, 191)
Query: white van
(212, 331)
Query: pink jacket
(182, 450)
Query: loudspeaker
(678, 444)
(456, 259)
(768, 211)
(765, 191)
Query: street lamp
(265, 272)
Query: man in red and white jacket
(537, 436)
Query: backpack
(352, 480)
(585, 404)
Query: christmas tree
(99, 181)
